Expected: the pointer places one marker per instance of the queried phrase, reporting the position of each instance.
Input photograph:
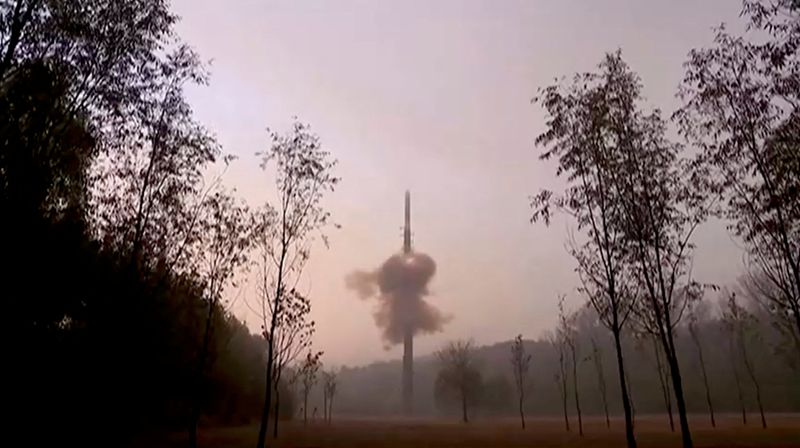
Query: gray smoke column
(400, 285)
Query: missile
(407, 227)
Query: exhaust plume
(400, 285)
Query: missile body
(408, 337)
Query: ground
(783, 431)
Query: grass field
(783, 431)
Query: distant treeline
(375, 389)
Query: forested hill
(375, 389)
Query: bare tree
(560, 377)
(741, 108)
(324, 397)
(732, 357)
(597, 358)
(520, 364)
(331, 395)
(293, 330)
(569, 335)
(308, 372)
(587, 118)
(292, 335)
(739, 323)
(329, 391)
(695, 323)
(664, 201)
(223, 245)
(637, 196)
(459, 373)
(630, 393)
(663, 379)
(303, 177)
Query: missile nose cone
(407, 226)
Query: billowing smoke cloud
(400, 285)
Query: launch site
(396, 224)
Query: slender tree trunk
(601, 380)
(330, 410)
(752, 374)
(633, 401)
(760, 405)
(464, 407)
(325, 406)
(699, 346)
(677, 386)
(664, 382)
(664, 323)
(796, 312)
(201, 363)
(262, 430)
(575, 387)
(564, 403)
(737, 380)
(623, 386)
(563, 384)
(660, 296)
(305, 407)
(521, 412)
(277, 391)
(277, 412)
(795, 335)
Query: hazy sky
(433, 96)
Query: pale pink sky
(433, 96)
